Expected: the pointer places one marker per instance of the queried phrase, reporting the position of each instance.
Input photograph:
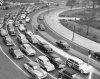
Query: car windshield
(35, 67)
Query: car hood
(86, 67)
(30, 50)
(39, 72)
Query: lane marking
(90, 75)
(13, 62)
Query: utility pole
(89, 56)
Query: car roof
(43, 58)
(76, 59)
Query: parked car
(22, 39)
(56, 60)
(79, 65)
(27, 19)
(11, 30)
(21, 27)
(8, 41)
(16, 52)
(3, 32)
(96, 55)
(63, 44)
(41, 27)
(67, 73)
(31, 37)
(45, 63)
(34, 68)
(45, 47)
(27, 49)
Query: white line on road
(13, 62)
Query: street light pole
(89, 56)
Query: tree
(71, 3)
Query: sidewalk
(52, 20)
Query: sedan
(27, 49)
(21, 27)
(31, 37)
(8, 41)
(22, 39)
(16, 52)
(27, 19)
(41, 27)
(56, 60)
(45, 63)
(3, 32)
(11, 30)
(34, 68)
(63, 44)
(45, 47)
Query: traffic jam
(36, 57)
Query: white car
(35, 70)
(22, 39)
(22, 27)
(23, 16)
(27, 49)
(10, 21)
(79, 64)
(31, 37)
(45, 63)
(27, 19)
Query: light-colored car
(31, 37)
(10, 21)
(22, 39)
(79, 64)
(45, 63)
(3, 32)
(8, 41)
(23, 16)
(35, 70)
(27, 19)
(27, 49)
(22, 27)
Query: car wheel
(82, 71)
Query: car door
(41, 63)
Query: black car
(11, 30)
(56, 60)
(45, 47)
(41, 27)
(63, 44)
(96, 55)
(67, 73)
(16, 52)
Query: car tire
(82, 72)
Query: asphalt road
(95, 75)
